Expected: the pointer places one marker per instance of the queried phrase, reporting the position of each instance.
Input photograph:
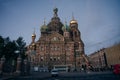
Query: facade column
(75, 59)
(25, 66)
(2, 60)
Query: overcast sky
(98, 20)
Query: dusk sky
(98, 20)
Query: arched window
(55, 59)
(50, 58)
(42, 59)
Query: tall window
(42, 59)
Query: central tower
(55, 25)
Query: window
(55, 38)
(55, 48)
(58, 48)
(41, 59)
(50, 58)
(58, 58)
(51, 48)
(68, 58)
(54, 59)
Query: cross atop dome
(55, 10)
(73, 21)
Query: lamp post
(18, 62)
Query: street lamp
(18, 62)
(17, 51)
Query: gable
(56, 37)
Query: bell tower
(75, 33)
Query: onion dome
(73, 21)
(44, 28)
(55, 25)
(34, 35)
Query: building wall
(97, 59)
(113, 55)
(106, 57)
(58, 45)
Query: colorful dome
(55, 25)
(44, 28)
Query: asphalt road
(70, 76)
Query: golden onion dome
(73, 22)
(33, 35)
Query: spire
(66, 30)
(73, 16)
(65, 21)
(44, 21)
(65, 27)
(65, 24)
(34, 31)
(34, 35)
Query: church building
(59, 44)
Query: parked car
(54, 72)
(116, 69)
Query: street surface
(69, 76)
